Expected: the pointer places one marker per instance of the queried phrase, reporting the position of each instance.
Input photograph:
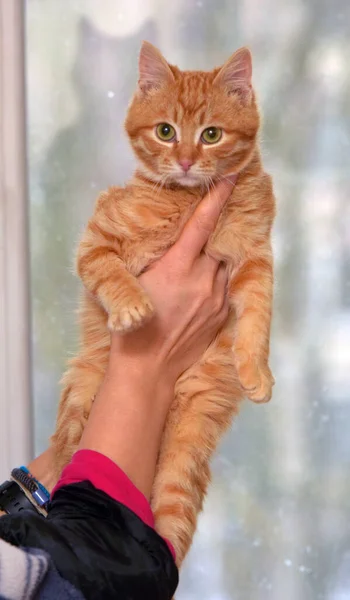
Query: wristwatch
(13, 498)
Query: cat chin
(188, 181)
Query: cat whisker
(162, 183)
(224, 178)
(211, 183)
(159, 185)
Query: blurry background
(276, 523)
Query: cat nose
(186, 164)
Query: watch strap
(13, 499)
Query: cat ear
(154, 70)
(236, 75)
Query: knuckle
(204, 285)
(207, 290)
(223, 273)
(217, 308)
(218, 304)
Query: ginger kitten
(188, 129)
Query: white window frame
(16, 427)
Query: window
(276, 521)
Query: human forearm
(127, 419)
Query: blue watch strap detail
(38, 492)
(40, 485)
(44, 490)
(40, 497)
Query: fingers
(204, 220)
(220, 287)
(208, 265)
(224, 310)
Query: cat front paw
(255, 376)
(135, 311)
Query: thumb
(204, 219)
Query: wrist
(136, 382)
(144, 370)
(42, 468)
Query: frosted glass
(276, 523)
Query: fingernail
(233, 178)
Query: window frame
(16, 423)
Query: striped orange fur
(134, 225)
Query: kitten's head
(192, 127)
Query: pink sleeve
(105, 475)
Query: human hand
(188, 291)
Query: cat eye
(211, 135)
(165, 132)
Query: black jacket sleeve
(97, 544)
